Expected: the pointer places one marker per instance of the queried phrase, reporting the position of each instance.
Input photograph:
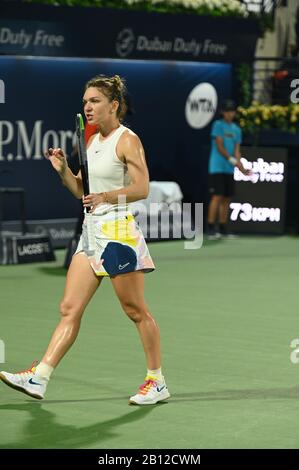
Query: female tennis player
(118, 175)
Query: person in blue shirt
(225, 155)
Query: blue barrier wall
(42, 97)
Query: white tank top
(106, 171)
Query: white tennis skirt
(118, 245)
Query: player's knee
(136, 313)
(69, 309)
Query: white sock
(157, 373)
(44, 370)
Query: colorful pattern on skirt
(120, 245)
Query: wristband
(233, 160)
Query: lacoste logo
(120, 267)
(33, 383)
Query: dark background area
(52, 95)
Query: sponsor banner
(260, 199)
(174, 102)
(19, 249)
(33, 37)
(60, 231)
(98, 32)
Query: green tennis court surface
(227, 312)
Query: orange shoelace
(30, 370)
(147, 385)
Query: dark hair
(114, 89)
(228, 105)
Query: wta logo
(201, 105)
(2, 92)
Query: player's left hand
(93, 200)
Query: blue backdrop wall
(42, 97)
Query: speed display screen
(259, 202)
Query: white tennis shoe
(26, 381)
(150, 392)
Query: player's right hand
(244, 170)
(58, 159)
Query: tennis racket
(82, 152)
